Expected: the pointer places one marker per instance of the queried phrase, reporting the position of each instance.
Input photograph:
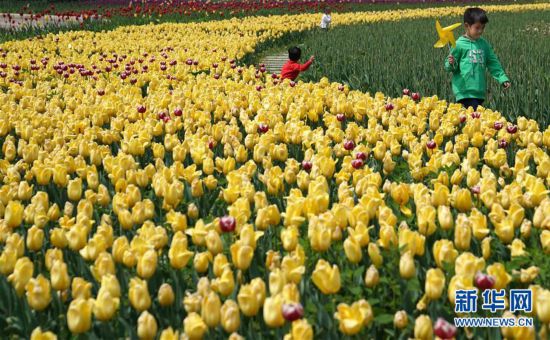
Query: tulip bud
(210, 310)
(444, 329)
(374, 254)
(139, 294)
(105, 305)
(59, 276)
(353, 250)
(79, 315)
(147, 264)
(273, 311)
(35, 238)
(147, 326)
(372, 277)
(166, 295)
(194, 327)
(407, 267)
(37, 334)
(423, 328)
(230, 316)
(400, 319)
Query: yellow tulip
(374, 254)
(463, 232)
(301, 329)
(353, 250)
(166, 295)
(241, 255)
(545, 241)
(169, 334)
(13, 214)
(147, 264)
(407, 268)
(35, 238)
(8, 259)
(201, 261)
(74, 189)
(435, 283)
(400, 319)
(79, 315)
(211, 309)
(22, 274)
(146, 326)
(230, 316)
(502, 278)
(289, 237)
(440, 195)
(517, 248)
(350, 318)
(463, 200)
(325, 278)
(542, 305)
(139, 294)
(105, 305)
(37, 334)
(38, 293)
(372, 277)
(248, 300)
(444, 252)
(423, 328)
(192, 302)
(81, 288)
(273, 311)
(194, 327)
(178, 254)
(59, 275)
(214, 242)
(426, 219)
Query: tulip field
(154, 184)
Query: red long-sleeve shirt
(292, 69)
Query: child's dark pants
(473, 102)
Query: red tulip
(141, 109)
(389, 107)
(357, 163)
(178, 112)
(361, 155)
(502, 144)
(340, 117)
(498, 125)
(227, 224)
(341, 87)
(476, 114)
(293, 311)
(484, 281)
(415, 96)
(512, 129)
(263, 128)
(349, 145)
(463, 118)
(406, 92)
(431, 144)
(306, 165)
(444, 329)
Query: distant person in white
(325, 20)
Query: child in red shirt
(291, 69)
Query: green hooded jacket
(472, 57)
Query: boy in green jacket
(469, 59)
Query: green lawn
(389, 57)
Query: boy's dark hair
(473, 15)
(294, 53)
